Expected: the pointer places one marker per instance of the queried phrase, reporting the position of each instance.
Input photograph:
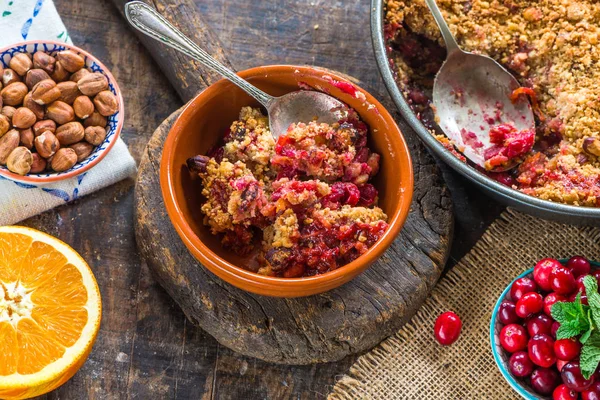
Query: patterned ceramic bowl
(501, 357)
(115, 122)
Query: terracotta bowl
(115, 121)
(204, 121)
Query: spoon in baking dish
(299, 106)
(472, 98)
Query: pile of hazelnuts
(53, 111)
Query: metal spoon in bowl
(299, 106)
(471, 94)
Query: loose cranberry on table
(567, 349)
(520, 365)
(549, 301)
(579, 266)
(593, 393)
(529, 304)
(447, 328)
(542, 272)
(513, 338)
(520, 287)
(544, 380)
(507, 314)
(563, 281)
(541, 350)
(562, 392)
(538, 324)
(572, 377)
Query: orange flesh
(47, 313)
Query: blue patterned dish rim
(500, 355)
(115, 121)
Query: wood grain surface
(146, 348)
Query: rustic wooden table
(146, 348)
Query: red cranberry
(549, 301)
(447, 328)
(544, 380)
(520, 365)
(583, 298)
(520, 287)
(554, 328)
(538, 324)
(580, 284)
(542, 272)
(566, 349)
(596, 274)
(593, 393)
(541, 350)
(529, 304)
(562, 392)
(507, 314)
(579, 266)
(513, 338)
(562, 281)
(560, 364)
(571, 376)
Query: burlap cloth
(412, 365)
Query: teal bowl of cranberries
(545, 331)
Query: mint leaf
(590, 355)
(573, 318)
(591, 290)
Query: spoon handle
(451, 44)
(147, 20)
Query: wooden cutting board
(322, 328)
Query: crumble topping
(307, 196)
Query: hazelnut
(37, 109)
(80, 74)
(60, 112)
(46, 144)
(21, 63)
(34, 76)
(19, 161)
(106, 103)
(83, 150)
(64, 159)
(8, 111)
(592, 146)
(83, 107)
(8, 143)
(45, 92)
(44, 61)
(23, 118)
(70, 133)
(95, 120)
(4, 124)
(39, 164)
(95, 135)
(60, 74)
(26, 138)
(13, 94)
(92, 84)
(72, 61)
(1, 69)
(43, 126)
(9, 76)
(68, 91)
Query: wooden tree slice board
(321, 328)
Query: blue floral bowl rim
(517, 387)
(57, 177)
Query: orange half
(50, 311)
